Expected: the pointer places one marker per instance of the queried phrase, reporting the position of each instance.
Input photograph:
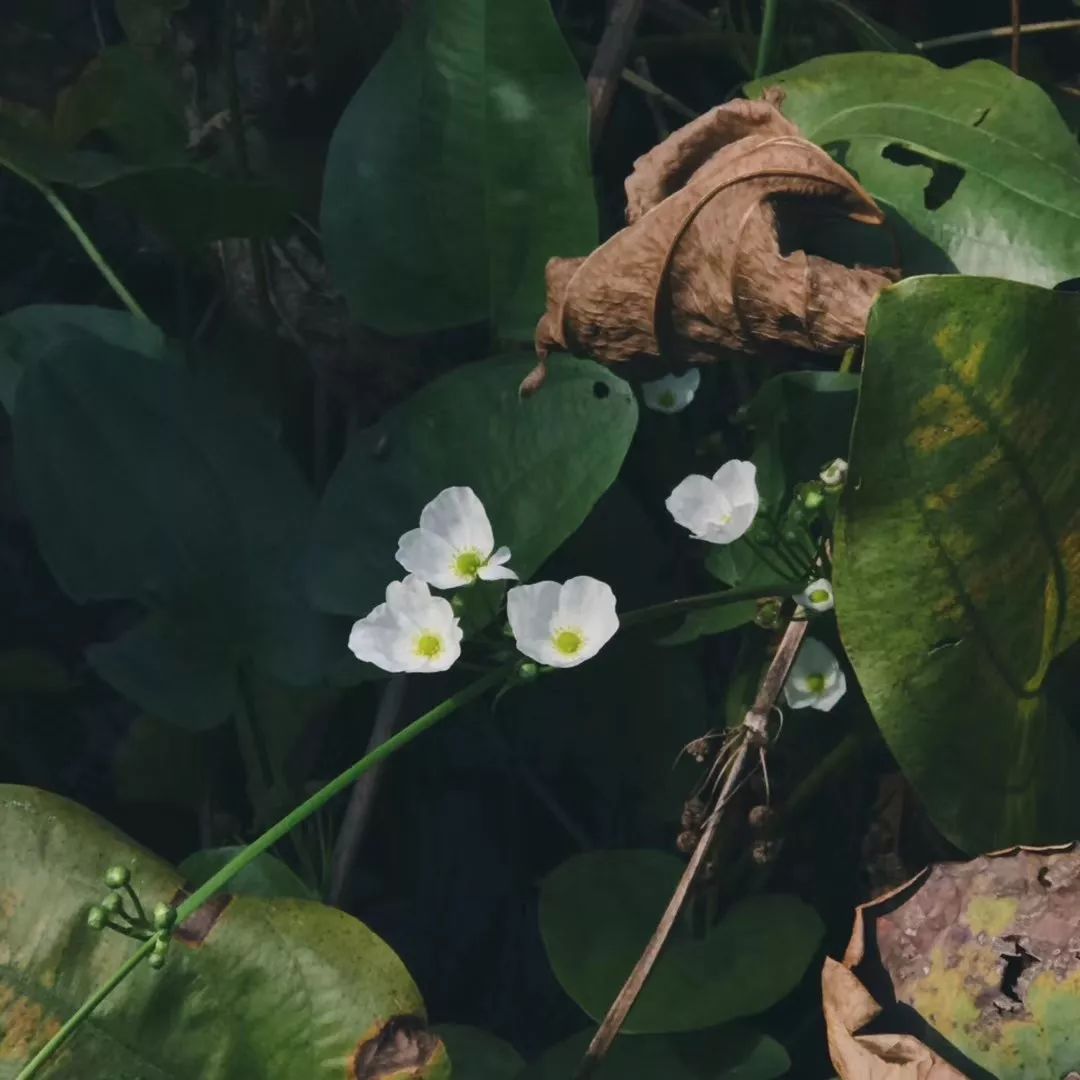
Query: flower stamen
(568, 642)
(467, 563)
(428, 645)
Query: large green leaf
(598, 910)
(538, 464)
(726, 1053)
(958, 550)
(458, 169)
(977, 164)
(29, 332)
(148, 483)
(477, 1055)
(275, 989)
(267, 876)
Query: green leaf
(189, 205)
(478, 1055)
(29, 332)
(726, 1053)
(458, 169)
(145, 482)
(538, 464)
(957, 556)
(159, 763)
(267, 876)
(980, 171)
(598, 910)
(257, 988)
(709, 621)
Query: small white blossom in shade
(816, 680)
(562, 625)
(835, 473)
(817, 596)
(454, 544)
(718, 510)
(413, 631)
(672, 393)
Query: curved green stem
(75, 1021)
(258, 847)
(768, 29)
(708, 600)
(85, 242)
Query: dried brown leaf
(985, 953)
(699, 271)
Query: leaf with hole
(251, 987)
(458, 168)
(977, 168)
(957, 554)
(538, 464)
(598, 910)
(978, 958)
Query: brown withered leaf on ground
(700, 270)
(980, 959)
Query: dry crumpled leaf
(699, 269)
(983, 954)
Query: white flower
(454, 544)
(718, 510)
(817, 596)
(412, 631)
(816, 679)
(672, 393)
(562, 625)
(835, 473)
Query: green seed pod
(164, 916)
(112, 903)
(116, 877)
(527, 671)
(97, 917)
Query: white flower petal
(412, 631)
(530, 610)
(488, 572)
(671, 393)
(817, 596)
(835, 473)
(458, 516)
(738, 481)
(562, 625)
(431, 558)
(697, 504)
(816, 679)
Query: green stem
(339, 783)
(784, 567)
(768, 28)
(33, 1067)
(259, 846)
(87, 244)
(707, 600)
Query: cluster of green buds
(114, 913)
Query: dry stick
(362, 796)
(997, 32)
(681, 14)
(641, 67)
(639, 82)
(1014, 58)
(608, 63)
(751, 737)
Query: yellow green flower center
(428, 645)
(667, 399)
(467, 564)
(815, 683)
(819, 596)
(568, 642)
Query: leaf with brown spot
(980, 965)
(269, 989)
(700, 271)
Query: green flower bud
(161, 946)
(813, 497)
(116, 877)
(112, 903)
(527, 670)
(156, 960)
(164, 916)
(457, 602)
(97, 917)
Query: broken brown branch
(609, 62)
(751, 737)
